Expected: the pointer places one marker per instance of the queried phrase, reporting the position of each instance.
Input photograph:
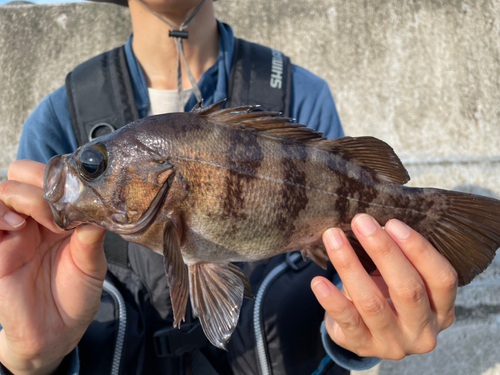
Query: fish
(216, 185)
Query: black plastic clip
(178, 34)
(298, 264)
(171, 342)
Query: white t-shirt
(166, 101)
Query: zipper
(122, 325)
(257, 311)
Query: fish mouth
(61, 218)
(54, 185)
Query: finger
(28, 200)
(87, 251)
(343, 322)
(437, 273)
(9, 220)
(27, 171)
(406, 288)
(367, 298)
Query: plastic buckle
(100, 130)
(298, 264)
(171, 342)
(178, 34)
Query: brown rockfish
(216, 186)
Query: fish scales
(271, 198)
(217, 186)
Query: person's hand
(402, 307)
(50, 280)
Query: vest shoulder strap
(260, 76)
(100, 95)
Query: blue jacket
(48, 132)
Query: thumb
(87, 250)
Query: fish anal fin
(176, 271)
(216, 296)
(317, 253)
(372, 154)
(364, 258)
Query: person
(51, 281)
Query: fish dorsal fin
(370, 153)
(269, 124)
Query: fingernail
(366, 225)
(334, 238)
(13, 219)
(399, 229)
(321, 289)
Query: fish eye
(93, 161)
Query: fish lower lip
(57, 217)
(60, 218)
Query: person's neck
(157, 53)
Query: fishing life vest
(101, 98)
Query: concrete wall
(422, 75)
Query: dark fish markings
(244, 157)
(349, 187)
(293, 198)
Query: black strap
(100, 96)
(101, 100)
(260, 76)
(116, 249)
(172, 341)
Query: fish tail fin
(464, 228)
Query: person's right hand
(50, 280)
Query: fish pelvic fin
(217, 292)
(465, 229)
(176, 272)
(244, 279)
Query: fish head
(115, 182)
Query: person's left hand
(402, 307)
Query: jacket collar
(213, 83)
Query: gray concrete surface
(422, 75)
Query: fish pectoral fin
(176, 272)
(217, 292)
